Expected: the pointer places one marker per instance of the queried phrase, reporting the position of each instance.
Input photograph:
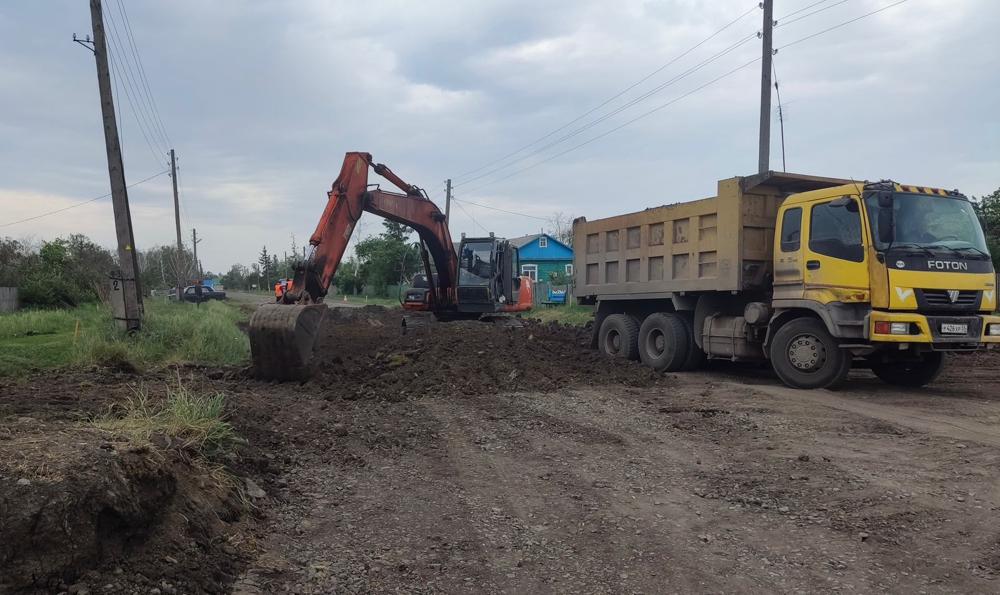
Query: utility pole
(116, 171)
(177, 222)
(197, 263)
(447, 201)
(764, 153)
(781, 122)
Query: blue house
(541, 255)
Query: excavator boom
(282, 335)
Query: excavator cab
(487, 277)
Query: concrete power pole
(764, 153)
(197, 263)
(177, 222)
(447, 201)
(116, 171)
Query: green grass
(570, 314)
(185, 419)
(32, 341)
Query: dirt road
(515, 461)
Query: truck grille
(940, 300)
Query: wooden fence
(8, 299)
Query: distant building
(542, 254)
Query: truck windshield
(926, 221)
(476, 263)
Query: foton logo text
(947, 265)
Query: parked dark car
(196, 294)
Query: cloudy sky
(261, 99)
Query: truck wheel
(664, 342)
(805, 355)
(695, 357)
(911, 374)
(619, 336)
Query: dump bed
(720, 243)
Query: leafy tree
(561, 228)
(388, 258)
(988, 208)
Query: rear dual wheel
(618, 336)
(911, 374)
(666, 343)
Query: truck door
(835, 267)
(788, 255)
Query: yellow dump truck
(813, 274)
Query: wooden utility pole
(447, 201)
(764, 153)
(177, 222)
(197, 263)
(116, 171)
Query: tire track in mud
(929, 423)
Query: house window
(569, 270)
(530, 270)
(543, 242)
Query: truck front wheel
(805, 355)
(911, 374)
(664, 342)
(619, 336)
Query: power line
(804, 8)
(80, 204)
(114, 67)
(469, 202)
(845, 23)
(621, 108)
(613, 97)
(471, 217)
(140, 104)
(691, 92)
(782, 23)
(142, 71)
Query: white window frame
(543, 242)
(569, 269)
(530, 271)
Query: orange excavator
(480, 279)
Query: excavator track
(282, 338)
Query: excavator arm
(282, 335)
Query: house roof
(523, 241)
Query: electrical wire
(469, 202)
(473, 219)
(142, 70)
(782, 23)
(80, 204)
(613, 97)
(114, 67)
(804, 8)
(140, 105)
(676, 99)
(621, 108)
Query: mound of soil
(80, 513)
(366, 354)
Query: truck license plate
(954, 329)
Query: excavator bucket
(282, 338)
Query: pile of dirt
(366, 354)
(83, 512)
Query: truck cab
(900, 273)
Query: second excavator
(480, 278)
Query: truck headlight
(892, 328)
(993, 330)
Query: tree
(387, 259)
(264, 260)
(561, 228)
(988, 209)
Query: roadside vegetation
(35, 340)
(569, 314)
(184, 419)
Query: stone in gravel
(783, 509)
(864, 536)
(254, 490)
(960, 498)
(23, 482)
(804, 458)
